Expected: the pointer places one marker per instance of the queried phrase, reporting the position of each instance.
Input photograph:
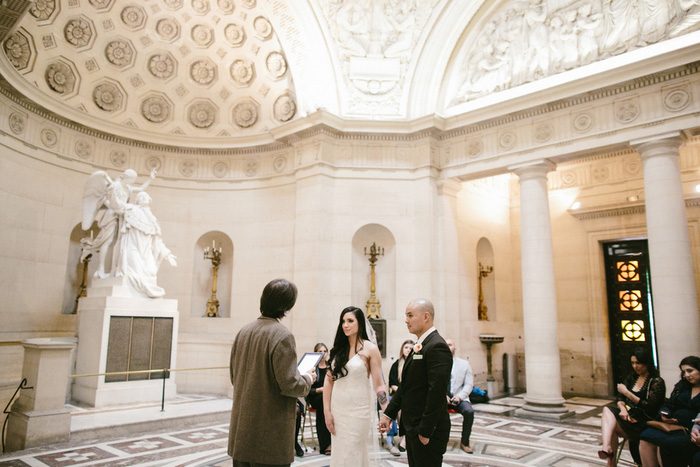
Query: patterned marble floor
(499, 440)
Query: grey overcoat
(266, 383)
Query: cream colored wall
(39, 207)
(483, 211)
(302, 226)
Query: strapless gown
(351, 405)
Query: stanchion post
(162, 400)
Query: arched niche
(484, 258)
(74, 268)
(385, 269)
(203, 275)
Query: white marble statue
(141, 247)
(124, 228)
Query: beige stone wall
(311, 222)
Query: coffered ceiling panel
(195, 68)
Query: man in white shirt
(461, 385)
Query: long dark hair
(644, 357)
(340, 353)
(690, 361)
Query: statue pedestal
(40, 416)
(118, 331)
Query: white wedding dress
(354, 414)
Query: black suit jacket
(422, 396)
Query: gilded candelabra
(373, 304)
(215, 256)
(483, 309)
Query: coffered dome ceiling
(193, 68)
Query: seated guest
(638, 401)
(461, 385)
(315, 400)
(677, 413)
(399, 443)
(686, 451)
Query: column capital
(449, 187)
(660, 144)
(539, 166)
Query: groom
(422, 396)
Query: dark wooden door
(630, 311)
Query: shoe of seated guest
(394, 451)
(466, 448)
(402, 449)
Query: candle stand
(215, 256)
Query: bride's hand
(330, 424)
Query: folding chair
(312, 424)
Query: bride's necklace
(362, 346)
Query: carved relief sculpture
(202, 114)
(78, 32)
(168, 29)
(42, 9)
(203, 72)
(108, 97)
(285, 108)
(525, 41)
(119, 53)
(235, 34)
(60, 78)
(155, 109)
(245, 115)
(17, 50)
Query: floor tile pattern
(498, 439)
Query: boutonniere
(417, 348)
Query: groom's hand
(384, 424)
(424, 440)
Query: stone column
(542, 362)
(40, 416)
(672, 278)
(447, 300)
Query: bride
(348, 400)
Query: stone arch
(202, 275)
(485, 258)
(385, 271)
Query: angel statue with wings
(130, 231)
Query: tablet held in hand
(308, 361)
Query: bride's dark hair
(340, 352)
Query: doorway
(630, 311)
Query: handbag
(666, 427)
(637, 413)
